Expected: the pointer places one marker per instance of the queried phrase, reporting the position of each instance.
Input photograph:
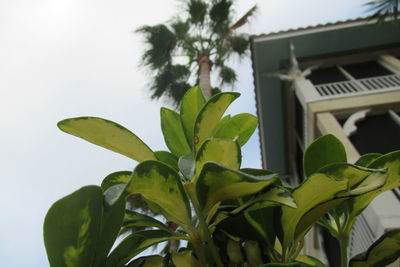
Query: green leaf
(381, 253)
(234, 251)
(261, 216)
(391, 162)
(113, 194)
(316, 190)
(354, 174)
(109, 135)
(323, 151)
(293, 264)
(148, 261)
(235, 225)
(120, 177)
(223, 151)
(135, 244)
(307, 259)
(209, 116)
(366, 159)
(192, 102)
(253, 253)
(278, 195)
(173, 132)
(162, 185)
(133, 218)
(187, 166)
(185, 259)
(72, 226)
(217, 183)
(239, 127)
(167, 158)
(111, 223)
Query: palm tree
(383, 8)
(184, 51)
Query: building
(341, 78)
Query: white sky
(67, 58)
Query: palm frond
(181, 29)
(171, 81)
(383, 8)
(197, 10)
(239, 44)
(244, 19)
(219, 15)
(227, 75)
(161, 44)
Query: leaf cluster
(228, 215)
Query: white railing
(360, 86)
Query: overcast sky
(68, 58)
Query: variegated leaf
(174, 135)
(381, 253)
(135, 244)
(210, 115)
(192, 102)
(109, 135)
(239, 127)
(218, 183)
(72, 227)
(325, 150)
(161, 185)
(120, 177)
(223, 151)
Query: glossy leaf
(186, 165)
(217, 183)
(162, 185)
(133, 218)
(366, 159)
(113, 194)
(210, 115)
(391, 162)
(111, 223)
(192, 102)
(278, 195)
(148, 261)
(109, 135)
(185, 259)
(172, 129)
(323, 151)
(240, 127)
(316, 190)
(72, 226)
(352, 173)
(135, 244)
(223, 151)
(167, 158)
(121, 177)
(381, 253)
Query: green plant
(229, 216)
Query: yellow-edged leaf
(109, 135)
(210, 115)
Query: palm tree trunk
(205, 65)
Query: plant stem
(204, 229)
(343, 242)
